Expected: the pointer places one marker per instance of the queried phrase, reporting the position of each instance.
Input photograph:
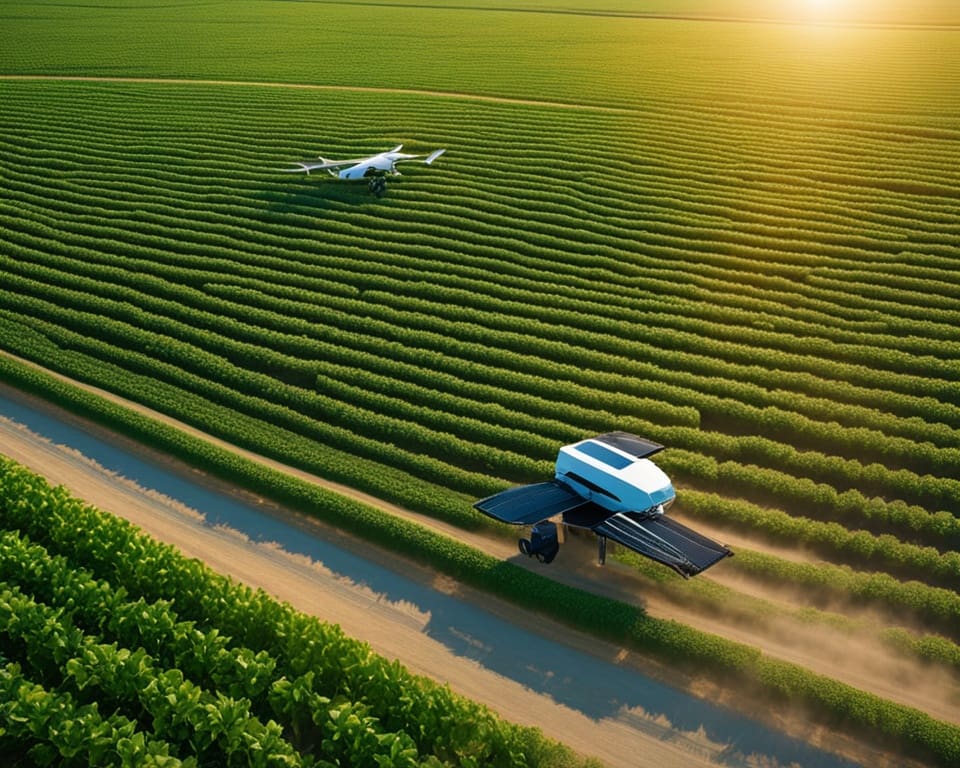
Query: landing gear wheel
(378, 185)
(543, 543)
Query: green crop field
(196, 666)
(710, 223)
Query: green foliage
(930, 648)
(45, 727)
(832, 539)
(232, 676)
(758, 271)
(331, 691)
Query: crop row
(210, 725)
(694, 381)
(368, 696)
(42, 727)
(137, 235)
(316, 317)
(819, 502)
(242, 681)
(152, 571)
(222, 243)
(932, 491)
(108, 614)
(900, 427)
(660, 367)
(936, 607)
(289, 242)
(231, 124)
(908, 404)
(240, 169)
(714, 599)
(861, 546)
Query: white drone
(375, 168)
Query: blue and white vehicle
(609, 485)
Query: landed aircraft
(606, 484)
(374, 168)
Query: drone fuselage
(613, 479)
(383, 163)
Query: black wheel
(547, 557)
(525, 547)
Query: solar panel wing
(664, 540)
(528, 504)
(600, 452)
(635, 446)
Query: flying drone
(606, 484)
(374, 168)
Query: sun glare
(819, 9)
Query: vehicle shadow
(309, 195)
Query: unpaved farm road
(397, 630)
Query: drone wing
(420, 158)
(434, 155)
(529, 504)
(653, 535)
(650, 534)
(323, 165)
(663, 539)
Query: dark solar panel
(665, 541)
(604, 454)
(635, 446)
(528, 504)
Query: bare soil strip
(320, 87)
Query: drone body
(374, 168)
(608, 485)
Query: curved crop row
(141, 567)
(385, 695)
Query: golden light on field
(873, 11)
(821, 9)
